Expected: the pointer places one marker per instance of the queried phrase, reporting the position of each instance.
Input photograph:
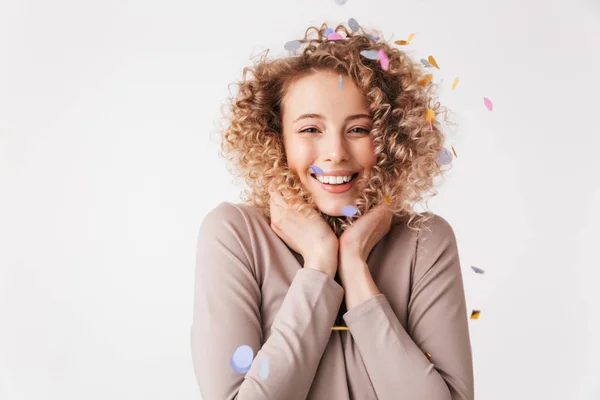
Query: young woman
(328, 301)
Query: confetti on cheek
(292, 45)
(444, 157)
(488, 103)
(264, 368)
(387, 200)
(478, 270)
(426, 80)
(383, 60)
(433, 62)
(316, 170)
(334, 36)
(475, 314)
(340, 82)
(370, 54)
(242, 359)
(426, 63)
(455, 83)
(353, 24)
(349, 211)
(454, 151)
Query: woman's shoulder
(434, 228)
(233, 214)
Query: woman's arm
(437, 322)
(227, 302)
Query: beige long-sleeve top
(251, 289)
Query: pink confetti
(334, 36)
(488, 103)
(383, 59)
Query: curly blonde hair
(405, 143)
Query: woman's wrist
(324, 259)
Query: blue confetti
(477, 270)
(328, 31)
(264, 368)
(370, 54)
(349, 211)
(242, 359)
(317, 170)
(292, 45)
(444, 157)
(340, 82)
(426, 63)
(353, 24)
(374, 37)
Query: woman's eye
(307, 129)
(360, 130)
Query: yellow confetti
(405, 42)
(433, 62)
(426, 80)
(430, 115)
(340, 328)
(455, 83)
(428, 355)
(387, 200)
(475, 314)
(454, 151)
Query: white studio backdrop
(109, 162)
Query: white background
(108, 165)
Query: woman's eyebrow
(319, 116)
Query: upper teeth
(333, 180)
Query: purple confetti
(477, 270)
(349, 211)
(444, 157)
(353, 24)
(329, 31)
(242, 359)
(426, 63)
(317, 170)
(292, 45)
(370, 54)
(340, 82)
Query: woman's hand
(358, 240)
(309, 236)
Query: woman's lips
(337, 188)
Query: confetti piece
(405, 42)
(444, 157)
(292, 45)
(455, 83)
(370, 54)
(264, 368)
(242, 359)
(374, 37)
(349, 211)
(383, 60)
(340, 2)
(387, 200)
(340, 328)
(475, 314)
(433, 62)
(329, 31)
(353, 24)
(426, 80)
(426, 63)
(478, 270)
(488, 103)
(428, 355)
(334, 36)
(317, 170)
(430, 115)
(454, 151)
(340, 82)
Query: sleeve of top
(227, 301)
(437, 324)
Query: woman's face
(328, 127)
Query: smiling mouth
(354, 176)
